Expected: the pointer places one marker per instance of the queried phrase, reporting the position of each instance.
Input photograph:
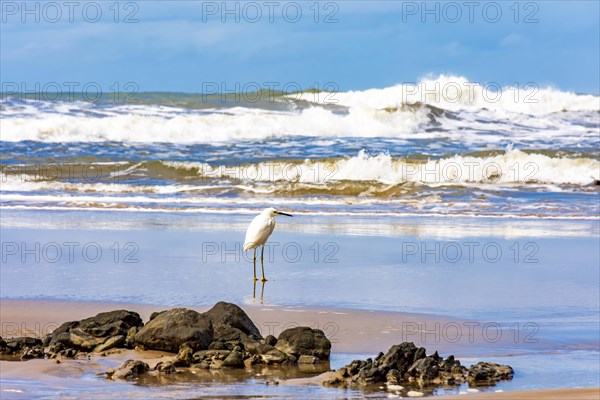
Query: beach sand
(552, 394)
(351, 331)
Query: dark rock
(485, 373)
(304, 341)
(129, 370)
(401, 357)
(218, 346)
(393, 377)
(90, 333)
(231, 322)
(304, 359)
(447, 364)
(370, 374)
(170, 329)
(110, 343)
(15, 345)
(81, 340)
(424, 370)
(46, 340)
(419, 354)
(258, 348)
(166, 367)
(406, 365)
(271, 340)
(24, 347)
(202, 365)
(63, 328)
(198, 356)
(130, 338)
(209, 355)
(67, 353)
(155, 314)
(355, 366)
(32, 352)
(274, 356)
(235, 359)
(104, 323)
(184, 358)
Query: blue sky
(182, 45)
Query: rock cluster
(222, 337)
(408, 365)
(243, 347)
(488, 374)
(22, 348)
(225, 337)
(100, 333)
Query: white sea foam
(513, 167)
(517, 115)
(458, 93)
(214, 127)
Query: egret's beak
(282, 213)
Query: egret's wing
(258, 232)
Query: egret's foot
(264, 279)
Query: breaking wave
(446, 107)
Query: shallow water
(533, 371)
(536, 283)
(513, 272)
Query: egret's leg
(262, 263)
(255, 265)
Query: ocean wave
(252, 211)
(362, 175)
(235, 124)
(512, 167)
(457, 93)
(445, 108)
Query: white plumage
(258, 233)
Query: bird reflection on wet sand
(262, 291)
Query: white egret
(258, 232)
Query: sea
(439, 147)
(467, 200)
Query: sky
(185, 46)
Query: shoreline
(351, 332)
(252, 211)
(537, 394)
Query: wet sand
(350, 331)
(552, 394)
(549, 394)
